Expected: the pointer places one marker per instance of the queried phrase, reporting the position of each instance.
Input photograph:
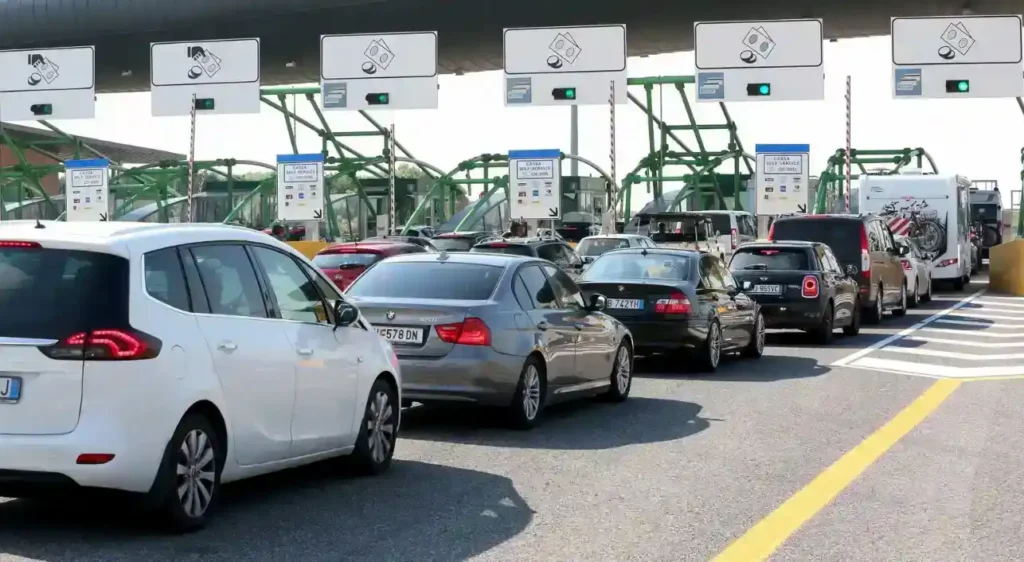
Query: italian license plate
(10, 390)
(627, 304)
(767, 289)
(402, 335)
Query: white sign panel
(957, 57)
(759, 60)
(226, 72)
(535, 184)
(783, 172)
(86, 191)
(42, 84)
(379, 71)
(565, 65)
(300, 187)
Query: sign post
(957, 57)
(782, 179)
(86, 190)
(779, 60)
(564, 65)
(535, 185)
(40, 84)
(379, 71)
(222, 75)
(300, 189)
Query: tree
(407, 170)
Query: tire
(528, 402)
(902, 310)
(874, 314)
(188, 500)
(958, 285)
(927, 297)
(826, 327)
(853, 328)
(378, 430)
(622, 374)
(913, 299)
(710, 354)
(755, 349)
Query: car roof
(465, 234)
(481, 258)
(832, 216)
(530, 241)
(780, 243)
(124, 238)
(618, 236)
(374, 246)
(724, 212)
(658, 250)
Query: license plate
(401, 335)
(769, 289)
(629, 304)
(10, 390)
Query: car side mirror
(733, 291)
(597, 303)
(850, 270)
(344, 314)
(588, 259)
(902, 251)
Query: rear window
(343, 261)
(985, 212)
(638, 266)
(428, 280)
(842, 235)
(453, 244)
(721, 224)
(598, 246)
(511, 249)
(680, 231)
(787, 259)
(51, 294)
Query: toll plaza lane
(678, 472)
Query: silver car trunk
(410, 324)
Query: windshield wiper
(761, 266)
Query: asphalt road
(685, 467)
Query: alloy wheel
(380, 427)
(531, 392)
(714, 345)
(759, 332)
(196, 467)
(623, 370)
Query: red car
(342, 263)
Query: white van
(934, 210)
(733, 228)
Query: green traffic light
(764, 89)
(570, 93)
(383, 98)
(963, 86)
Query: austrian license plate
(628, 304)
(401, 335)
(767, 289)
(10, 390)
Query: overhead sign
(759, 60)
(37, 84)
(957, 57)
(86, 191)
(565, 65)
(300, 187)
(535, 184)
(782, 179)
(224, 75)
(379, 71)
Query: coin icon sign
(554, 62)
(34, 79)
(195, 72)
(369, 68)
(748, 56)
(946, 53)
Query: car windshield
(685, 230)
(720, 223)
(453, 244)
(592, 247)
(345, 260)
(630, 266)
(511, 249)
(786, 259)
(428, 280)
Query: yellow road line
(768, 535)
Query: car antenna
(443, 255)
(39, 224)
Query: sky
(980, 139)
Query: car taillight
(19, 244)
(105, 345)
(949, 262)
(735, 238)
(771, 233)
(809, 288)
(905, 264)
(471, 331)
(676, 303)
(865, 254)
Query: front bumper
(477, 375)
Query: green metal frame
(703, 177)
(832, 181)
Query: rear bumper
(792, 314)
(467, 374)
(660, 336)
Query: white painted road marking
(952, 354)
(974, 333)
(935, 371)
(1001, 325)
(943, 341)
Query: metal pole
(574, 139)
(609, 221)
(191, 161)
(849, 142)
(391, 180)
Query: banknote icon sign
(43, 69)
(565, 49)
(957, 39)
(757, 45)
(379, 56)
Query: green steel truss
(831, 191)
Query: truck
(987, 215)
(933, 210)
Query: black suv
(461, 241)
(862, 241)
(554, 250)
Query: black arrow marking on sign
(553, 212)
(318, 214)
(801, 208)
(103, 216)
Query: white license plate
(10, 390)
(629, 304)
(402, 335)
(769, 289)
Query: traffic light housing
(205, 104)
(760, 89)
(381, 98)
(564, 94)
(41, 109)
(958, 86)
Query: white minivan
(733, 228)
(933, 210)
(165, 360)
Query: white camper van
(932, 209)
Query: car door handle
(227, 346)
(543, 325)
(305, 351)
